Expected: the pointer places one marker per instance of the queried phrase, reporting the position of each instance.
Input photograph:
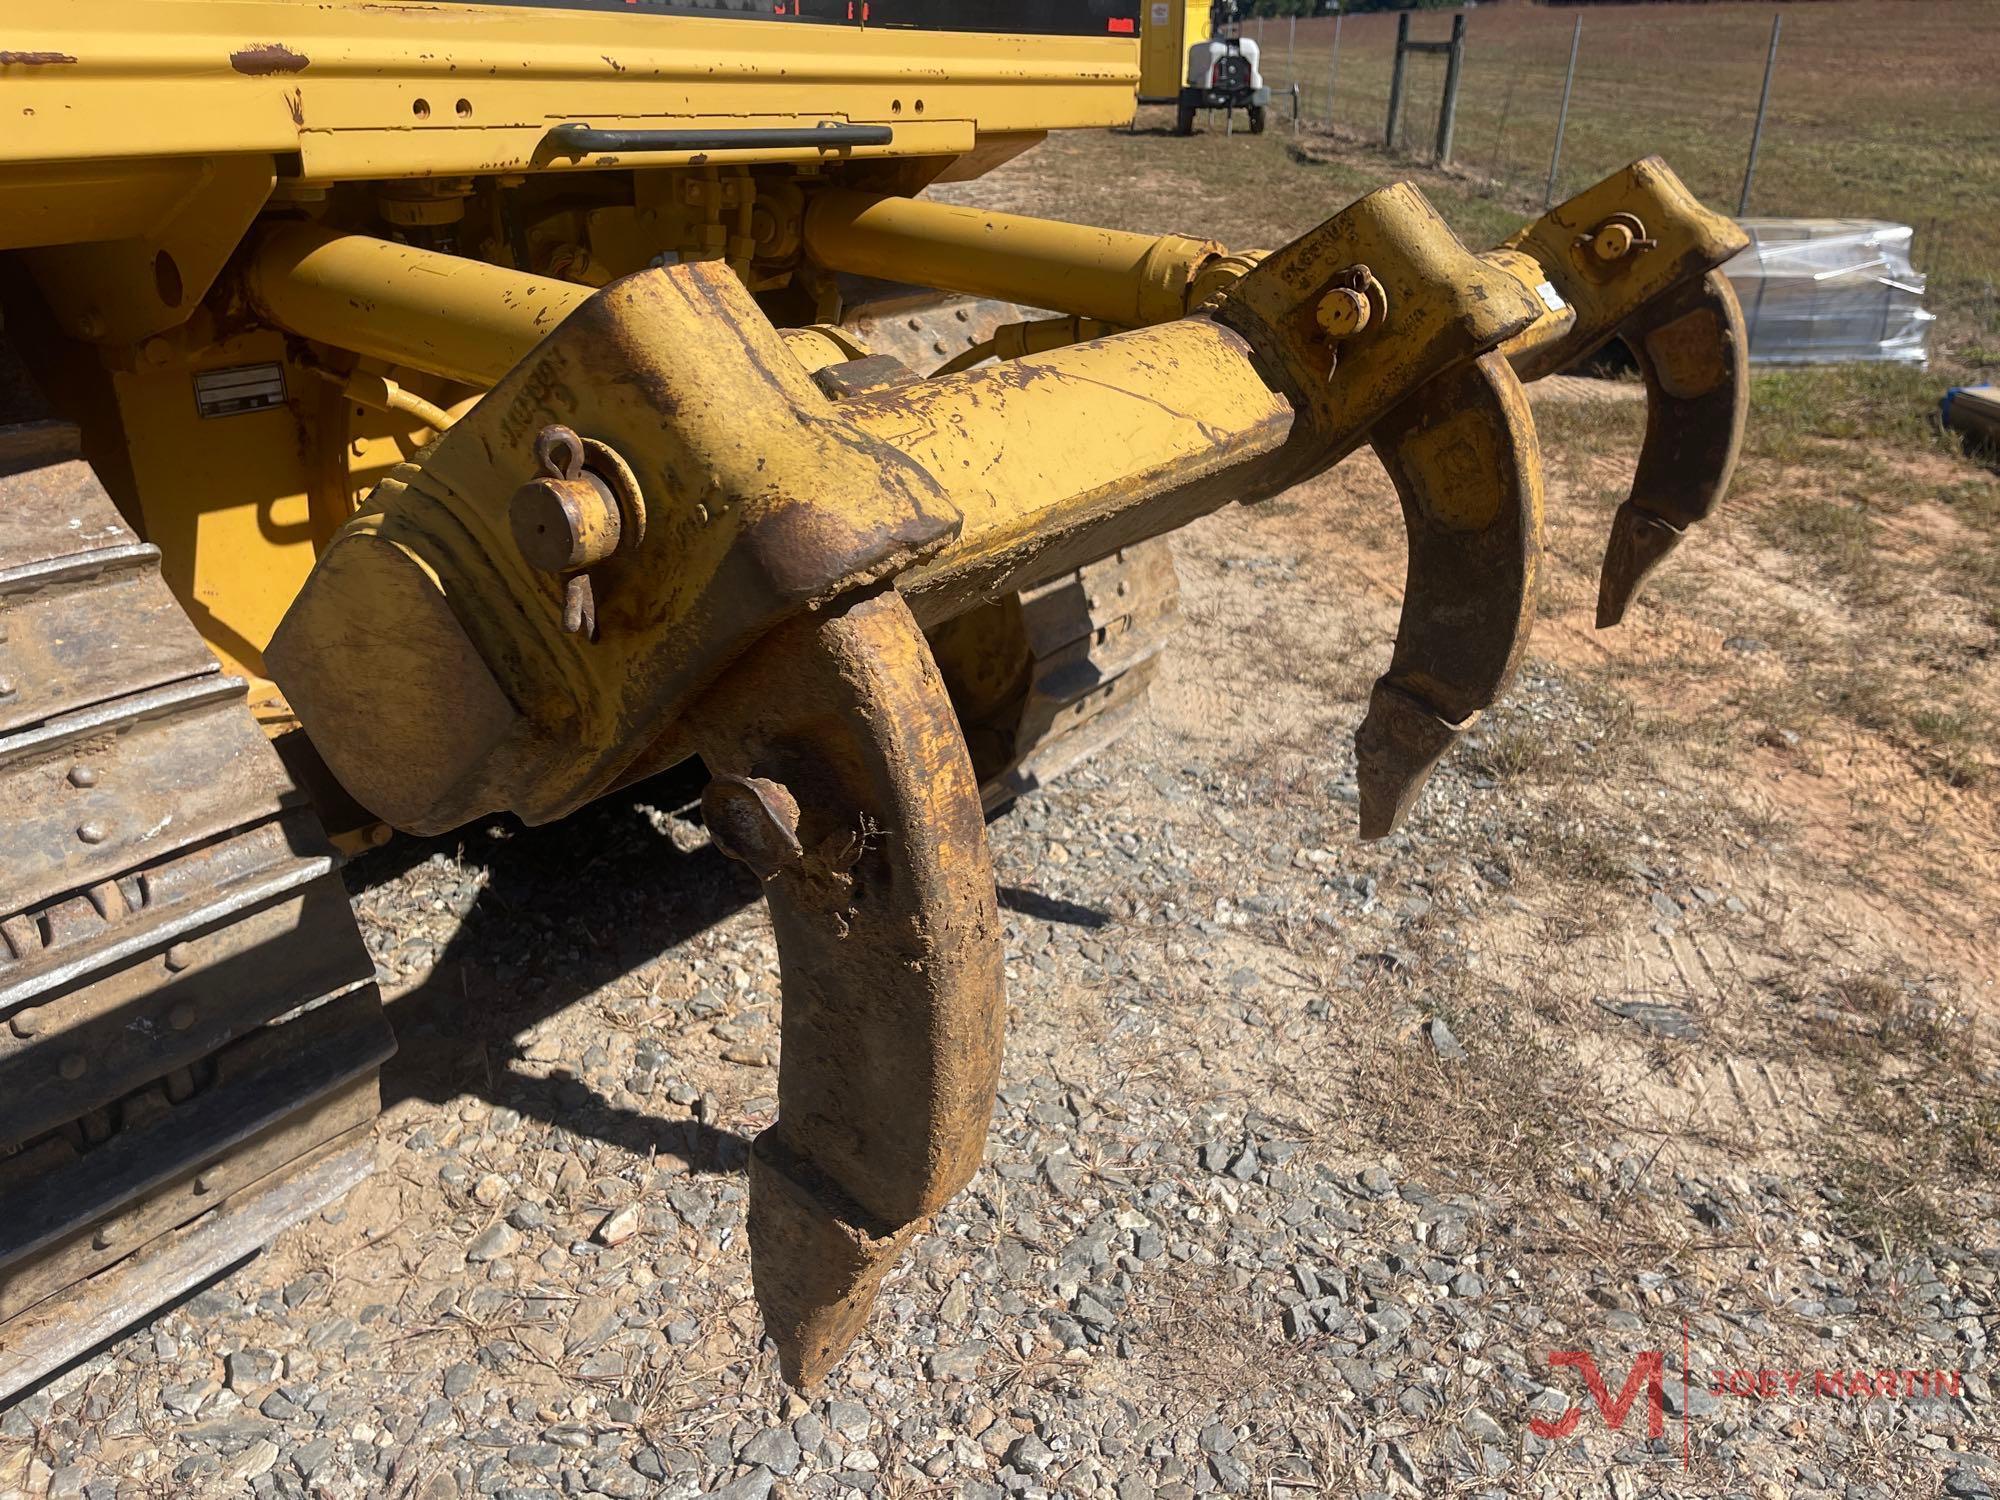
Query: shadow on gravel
(1028, 903)
(563, 911)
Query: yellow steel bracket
(1637, 258)
(658, 535)
(1377, 307)
(762, 504)
(123, 288)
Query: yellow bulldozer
(411, 413)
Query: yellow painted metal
(1167, 30)
(1683, 241)
(1119, 277)
(64, 202)
(1038, 458)
(360, 90)
(693, 344)
(240, 541)
(1057, 459)
(1582, 294)
(461, 319)
(765, 498)
(1552, 330)
(149, 275)
(225, 501)
(454, 317)
(376, 390)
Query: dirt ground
(1666, 1025)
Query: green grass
(1798, 411)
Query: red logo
(1648, 1374)
(1647, 1371)
(1763, 1384)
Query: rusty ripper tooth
(1694, 355)
(834, 725)
(1399, 743)
(1463, 456)
(816, 1262)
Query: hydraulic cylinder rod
(1122, 278)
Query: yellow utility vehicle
(413, 412)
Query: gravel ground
(1301, 1170)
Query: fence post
(1396, 79)
(1448, 110)
(1763, 103)
(1333, 67)
(1291, 48)
(1562, 119)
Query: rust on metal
(34, 59)
(1694, 353)
(1636, 257)
(729, 552)
(268, 58)
(889, 941)
(806, 526)
(754, 821)
(567, 519)
(1463, 456)
(164, 902)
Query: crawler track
(190, 1034)
(1084, 648)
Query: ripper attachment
(1633, 258)
(1694, 354)
(1636, 258)
(760, 598)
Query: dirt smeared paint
(34, 59)
(267, 58)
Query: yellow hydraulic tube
(371, 388)
(1128, 279)
(459, 318)
(443, 314)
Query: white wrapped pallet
(1828, 291)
